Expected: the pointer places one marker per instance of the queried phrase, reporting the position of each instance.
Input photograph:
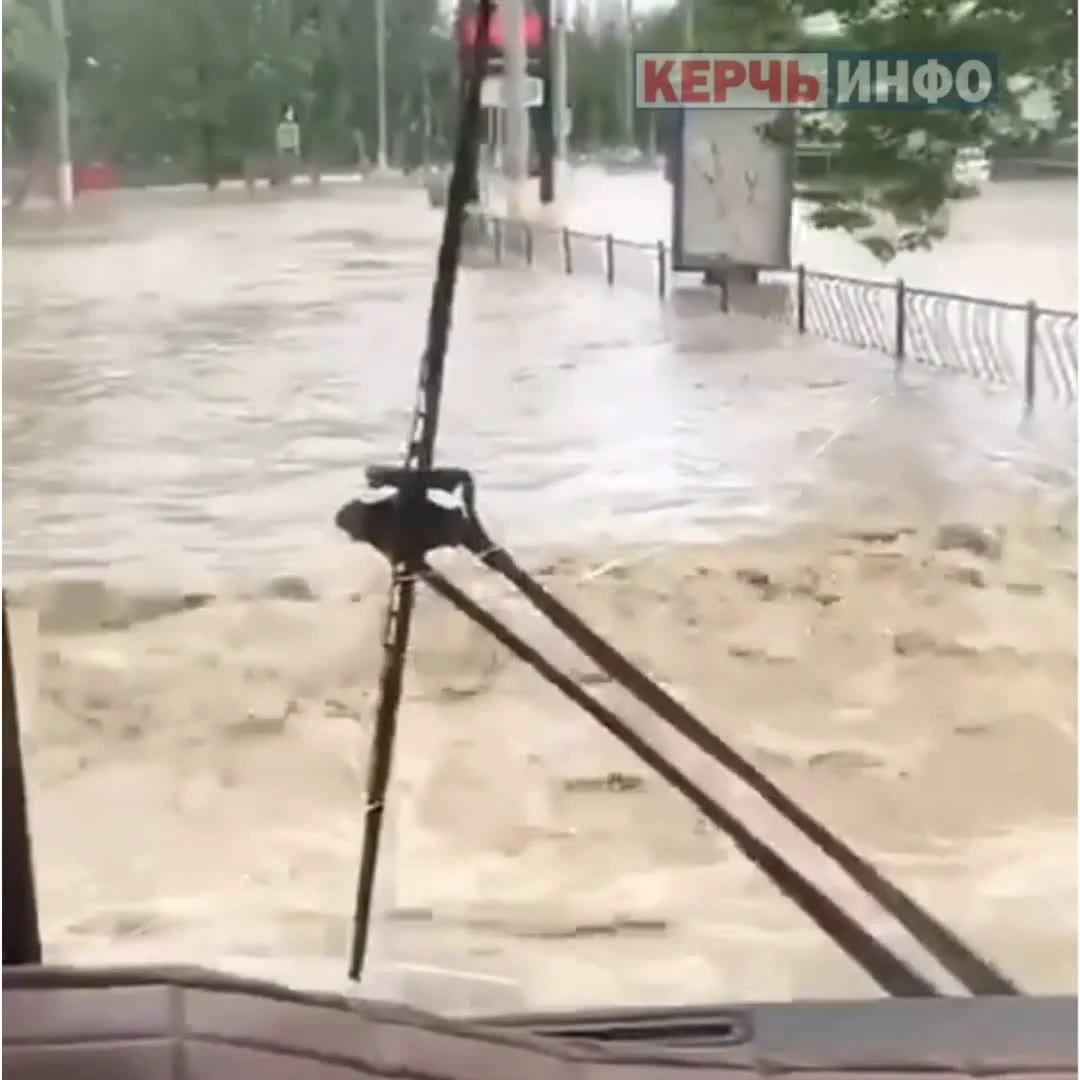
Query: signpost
(515, 112)
(493, 92)
(288, 137)
(65, 186)
(520, 85)
(287, 144)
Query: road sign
(493, 92)
(288, 137)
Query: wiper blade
(888, 970)
(954, 954)
(674, 1029)
(419, 460)
(405, 525)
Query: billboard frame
(681, 261)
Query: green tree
(596, 58)
(895, 167)
(205, 75)
(892, 170)
(206, 80)
(31, 61)
(423, 56)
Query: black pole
(412, 494)
(22, 933)
(465, 62)
(545, 129)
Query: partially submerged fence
(1007, 344)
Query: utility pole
(380, 84)
(428, 130)
(517, 117)
(546, 122)
(689, 28)
(561, 82)
(65, 184)
(630, 114)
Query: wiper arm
(419, 459)
(433, 525)
(975, 973)
(888, 970)
(406, 525)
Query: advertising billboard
(732, 191)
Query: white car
(971, 168)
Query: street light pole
(561, 81)
(381, 159)
(630, 116)
(517, 117)
(65, 185)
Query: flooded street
(192, 387)
(205, 384)
(1013, 243)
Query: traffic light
(535, 37)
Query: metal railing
(1007, 344)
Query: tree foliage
(204, 82)
(895, 166)
(31, 62)
(892, 171)
(199, 85)
(205, 75)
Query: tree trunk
(251, 174)
(208, 136)
(23, 179)
(208, 140)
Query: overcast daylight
(544, 562)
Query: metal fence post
(1041, 339)
(1031, 318)
(900, 344)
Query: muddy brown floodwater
(191, 389)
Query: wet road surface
(1013, 243)
(197, 387)
(200, 384)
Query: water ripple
(215, 393)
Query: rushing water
(1014, 243)
(197, 384)
(200, 382)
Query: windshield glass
(858, 569)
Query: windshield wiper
(412, 500)
(404, 524)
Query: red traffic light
(534, 30)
